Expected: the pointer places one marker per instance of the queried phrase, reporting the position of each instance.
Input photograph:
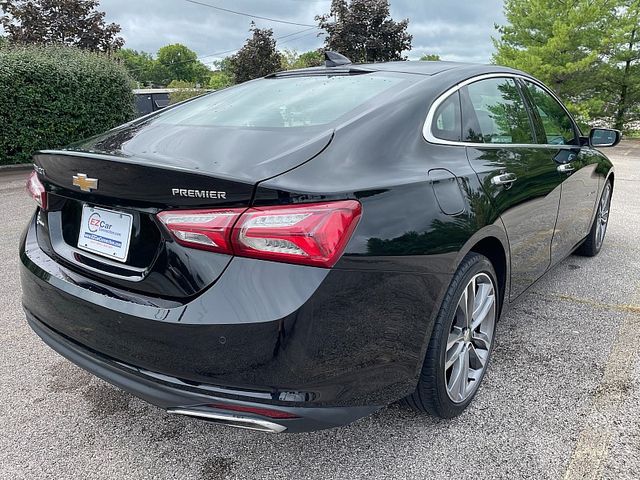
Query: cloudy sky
(457, 30)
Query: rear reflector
(309, 234)
(36, 190)
(264, 412)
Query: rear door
(515, 171)
(575, 164)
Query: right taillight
(308, 234)
(36, 190)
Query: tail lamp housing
(203, 229)
(36, 190)
(309, 234)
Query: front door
(576, 165)
(515, 171)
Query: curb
(17, 167)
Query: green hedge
(53, 96)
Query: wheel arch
(492, 242)
(611, 177)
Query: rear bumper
(334, 343)
(193, 401)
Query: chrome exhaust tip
(231, 420)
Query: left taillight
(308, 234)
(36, 190)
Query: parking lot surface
(561, 398)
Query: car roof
(419, 66)
(415, 67)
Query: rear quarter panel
(406, 243)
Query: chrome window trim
(428, 134)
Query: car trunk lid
(138, 187)
(233, 153)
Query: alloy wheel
(470, 338)
(602, 218)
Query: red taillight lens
(309, 234)
(36, 190)
(204, 229)
(265, 412)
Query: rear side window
(493, 111)
(284, 102)
(557, 126)
(446, 121)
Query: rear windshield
(283, 102)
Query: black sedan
(298, 251)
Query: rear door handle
(505, 179)
(565, 168)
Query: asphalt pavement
(561, 398)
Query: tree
(141, 65)
(257, 58)
(621, 73)
(288, 58)
(364, 31)
(587, 51)
(222, 76)
(174, 62)
(67, 22)
(312, 58)
(181, 63)
(220, 79)
(430, 57)
(291, 60)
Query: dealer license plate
(105, 232)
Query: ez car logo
(95, 223)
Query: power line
(248, 14)
(286, 41)
(303, 36)
(217, 54)
(296, 33)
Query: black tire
(431, 392)
(593, 244)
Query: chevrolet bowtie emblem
(85, 184)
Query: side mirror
(604, 137)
